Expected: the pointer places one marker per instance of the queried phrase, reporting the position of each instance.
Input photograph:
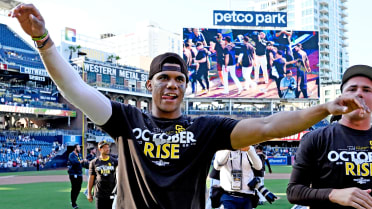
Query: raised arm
(221, 159)
(254, 158)
(256, 130)
(89, 100)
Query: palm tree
(117, 58)
(72, 49)
(109, 58)
(78, 47)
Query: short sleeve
(92, 168)
(118, 124)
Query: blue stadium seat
(16, 50)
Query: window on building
(327, 92)
(91, 77)
(106, 79)
(119, 81)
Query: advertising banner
(118, 72)
(37, 111)
(71, 140)
(239, 63)
(277, 160)
(34, 71)
(294, 137)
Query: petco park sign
(249, 18)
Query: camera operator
(288, 86)
(261, 173)
(235, 174)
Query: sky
(94, 17)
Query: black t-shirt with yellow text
(105, 179)
(164, 163)
(334, 157)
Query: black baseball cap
(356, 70)
(169, 57)
(102, 143)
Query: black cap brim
(356, 70)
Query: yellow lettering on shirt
(149, 147)
(175, 151)
(365, 169)
(349, 168)
(163, 151)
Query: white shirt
(226, 158)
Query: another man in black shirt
(261, 60)
(333, 164)
(247, 63)
(202, 68)
(102, 172)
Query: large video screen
(237, 63)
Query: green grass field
(57, 195)
(36, 173)
(278, 187)
(280, 169)
(41, 196)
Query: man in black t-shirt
(261, 61)
(188, 56)
(333, 164)
(102, 172)
(202, 67)
(248, 59)
(164, 155)
(280, 66)
(229, 66)
(303, 67)
(217, 47)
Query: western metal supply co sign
(250, 18)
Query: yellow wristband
(41, 37)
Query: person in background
(102, 171)
(288, 86)
(236, 171)
(261, 172)
(214, 177)
(75, 171)
(90, 156)
(333, 163)
(229, 66)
